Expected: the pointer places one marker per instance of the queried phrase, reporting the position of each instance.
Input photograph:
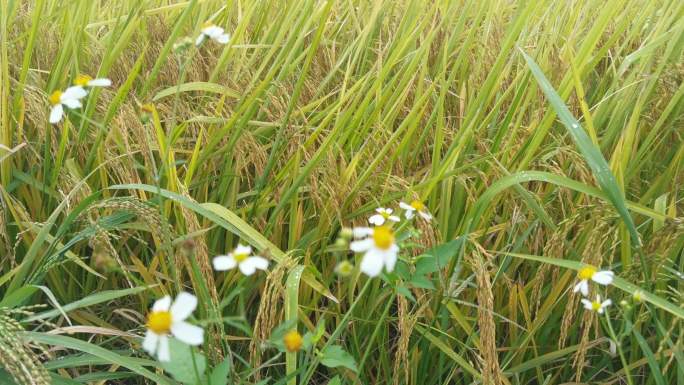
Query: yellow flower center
(383, 237)
(55, 97)
(586, 273)
(159, 322)
(240, 257)
(595, 305)
(418, 205)
(293, 341)
(385, 214)
(82, 80)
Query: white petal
(56, 113)
(362, 245)
(163, 354)
(223, 38)
(584, 287)
(587, 304)
(190, 334)
(425, 215)
(72, 103)
(406, 206)
(600, 310)
(372, 263)
(577, 287)
(376, 219)
(390, 259)
(606, 303)
(224, 262)
(73, 92)
(200, 39)
(213, 31)
(360, 232)
(259, 263)
(604, 277)
(150, 342)
(394, 218)
(247, 268)
(100, 82)
(240, 249)
(409, 214)
(162, 304)
(183, 306)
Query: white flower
(603, 277)
(382, 215)
(413, 207)
(213, 32)
(379, 248)
(240, 257)
(71, 98)
(597, 305)
(87, 81)
(167, 319)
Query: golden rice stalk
(269, 313)
(491, 371)
(406, 322)
(15, 356)
(201, 254)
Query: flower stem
(317, 359)
(618, 345)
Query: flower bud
(346, 233)
(344, 268)
(638, 296)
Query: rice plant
(341, 192)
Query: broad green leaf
(334, 356)
(186, 365)
(219, 376)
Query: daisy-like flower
(213, 32)
(382, 215)
(603, 277)
(414, 207)
(241, 258)
(87, 81)
(597, 305)
(168, 319)
(379, 248)
(70, 98)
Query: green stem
(619, 349)
(379, 324)
(335, 334)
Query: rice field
(418, 192)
